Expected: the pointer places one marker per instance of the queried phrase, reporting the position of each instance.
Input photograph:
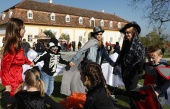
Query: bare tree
(157, 11)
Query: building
(76, 22)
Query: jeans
(48, 82)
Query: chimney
(50, 1)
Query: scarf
(135, 54)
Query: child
(92, 77)
(51, 58)
(157, 73)
(98, 94)
(32, 98)
(13, 55)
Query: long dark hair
(12, 36)
(94, 72)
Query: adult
(79, 45)
(40, 48)
(117, 48)
(163, 50)
(109, 48)
(131, 57)
(93, 50)
(73, 44)
(26, 47)
(13, 55)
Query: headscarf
(136, 52)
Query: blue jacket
(91, 54)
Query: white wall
(2, 31)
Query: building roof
(43, 9)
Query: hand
(71, 64)
(8, 88)
(32, 64)
(156, 93)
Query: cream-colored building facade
(78, 23)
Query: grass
(121, 104)
(166, 55)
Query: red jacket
(11, 68)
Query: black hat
(54, 40)
(131, 24)
(97, 29)
(51, 44)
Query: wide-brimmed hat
(131, 24)
(97, 29)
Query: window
(9, 13)
(29, 38)
(111, 24)
(102, 22)
(41, 30)
(119, 25)
(111, 39)
(52, 16)
(67, 18)
(30, 14)
(80, 20)
(92, 22)
(3, 16)
(80, 38)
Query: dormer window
(41, 30)
(3, 16)
(80, 20)
(102, 22)
(119, 25)
(92, 22)
(30, 14)
(111, 24)
(52, 16)
(10, 13)
(67, 18)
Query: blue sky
(119, 7)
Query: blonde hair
(100, 43)
(32, 78)
(131, 30)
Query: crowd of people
(83, 73)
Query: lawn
(121, 104)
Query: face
(154, 58)
(98, 36)
(54, 49)
(84, 79)
(22, 31)
(128, 34)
